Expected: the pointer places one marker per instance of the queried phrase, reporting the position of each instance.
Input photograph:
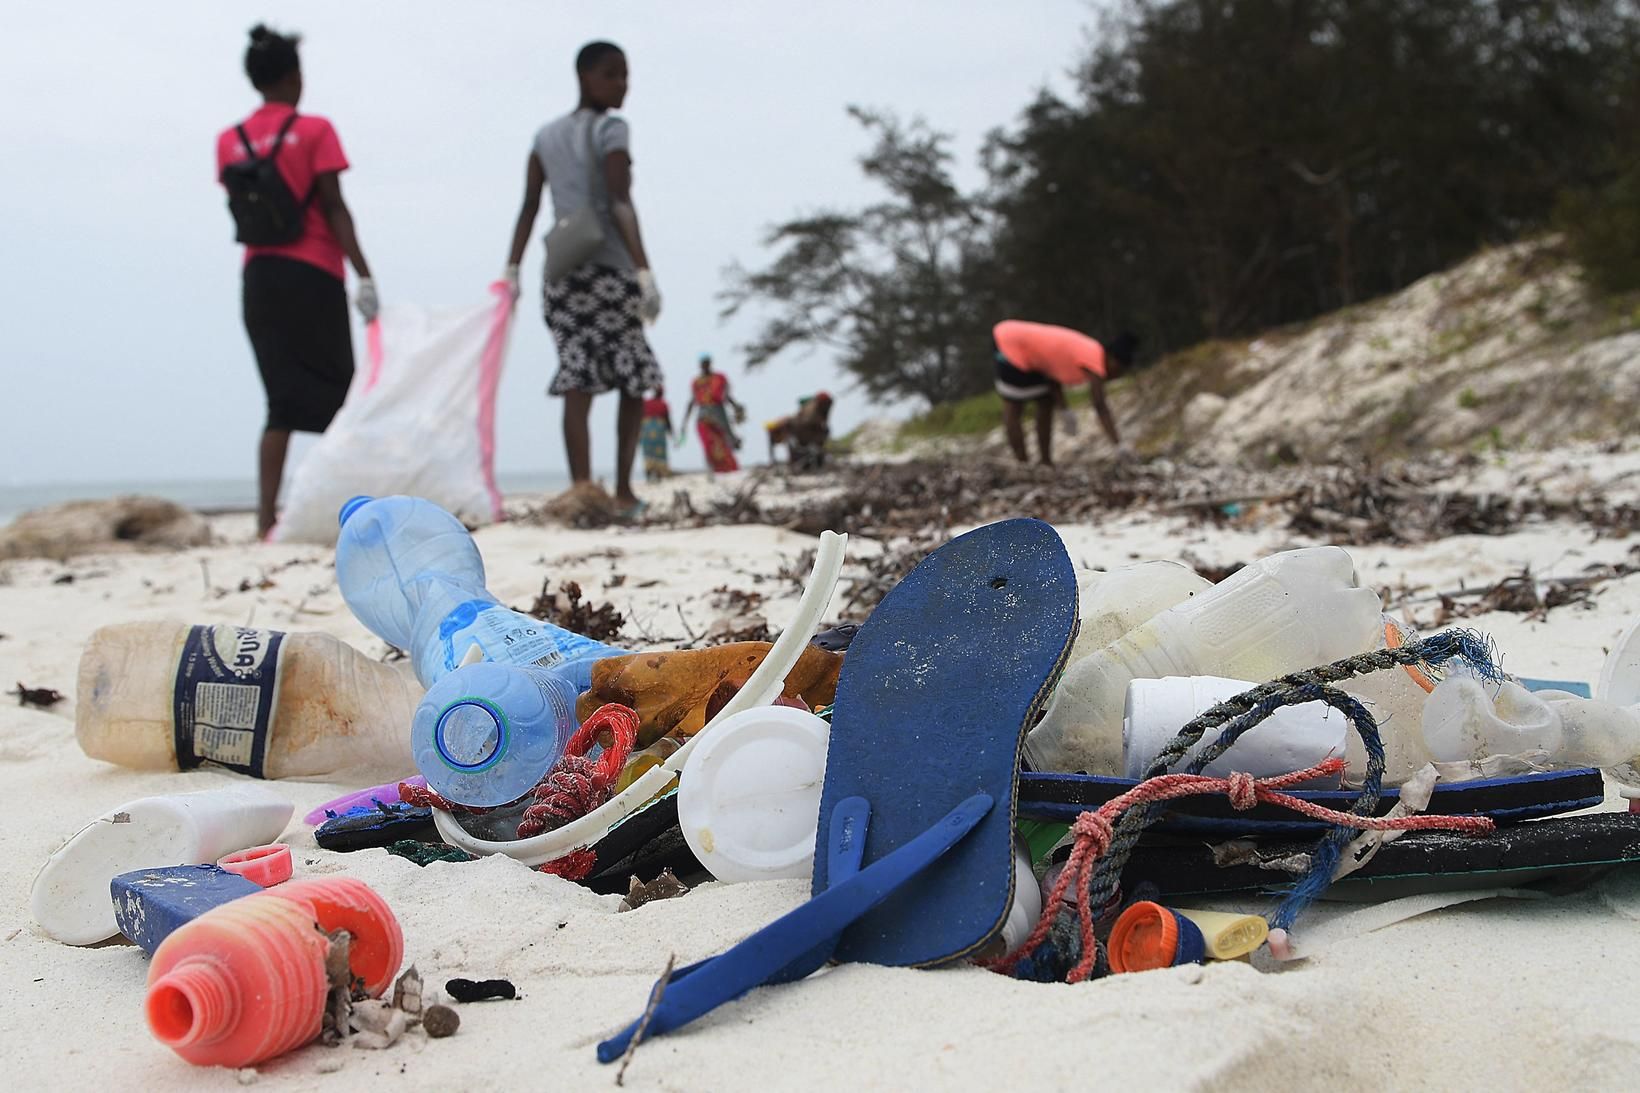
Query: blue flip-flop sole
(914, 853)
(934, 699)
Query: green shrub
(1603, 226)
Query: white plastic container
(1292, 738)
(749, 795)
(71, 897)
(1113, 602)
(1469, 719)
(169, 696)
(1289, 611)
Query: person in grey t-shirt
(597, 311)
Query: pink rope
(489, 381)
(374, 352)
(1093, 832)
(576, 785)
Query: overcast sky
(123, 352)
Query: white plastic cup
(1292, 738)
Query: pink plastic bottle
(246, 981)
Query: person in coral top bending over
(1035, 362)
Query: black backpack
(264, 210)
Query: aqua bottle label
(507, 637)
(226, 690)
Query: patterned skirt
(593, 316)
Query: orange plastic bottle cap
(1148, 935)
(265, 865)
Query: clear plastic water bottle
(486, 733)
(413, 575)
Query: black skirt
(296, 316)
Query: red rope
(572, 788)
(576, 865)
(1093, 831)
(576, 785)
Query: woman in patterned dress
(597, 311)
(710, 394)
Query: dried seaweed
(664, 886)
(1348, 503)
(566, 608)
(39, 697)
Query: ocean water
(205, 494)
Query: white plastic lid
(749, 794)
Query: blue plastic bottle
(486, 733)
(413, 575)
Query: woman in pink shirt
(1035, 362)
(297, 235)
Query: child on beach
(597, 310)
(1035, 362)
(656, 436)
(295, 299)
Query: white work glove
(365, 300)
(511, 277)
(1067, 418)
(649, 298)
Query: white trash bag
(418, 420)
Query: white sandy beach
(1505, 994)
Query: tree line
(1223, 166)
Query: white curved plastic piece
(761, 689)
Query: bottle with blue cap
(501, 686)
(486, 733)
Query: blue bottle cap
(352, 505)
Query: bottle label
(507, 637)
(226, 690)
